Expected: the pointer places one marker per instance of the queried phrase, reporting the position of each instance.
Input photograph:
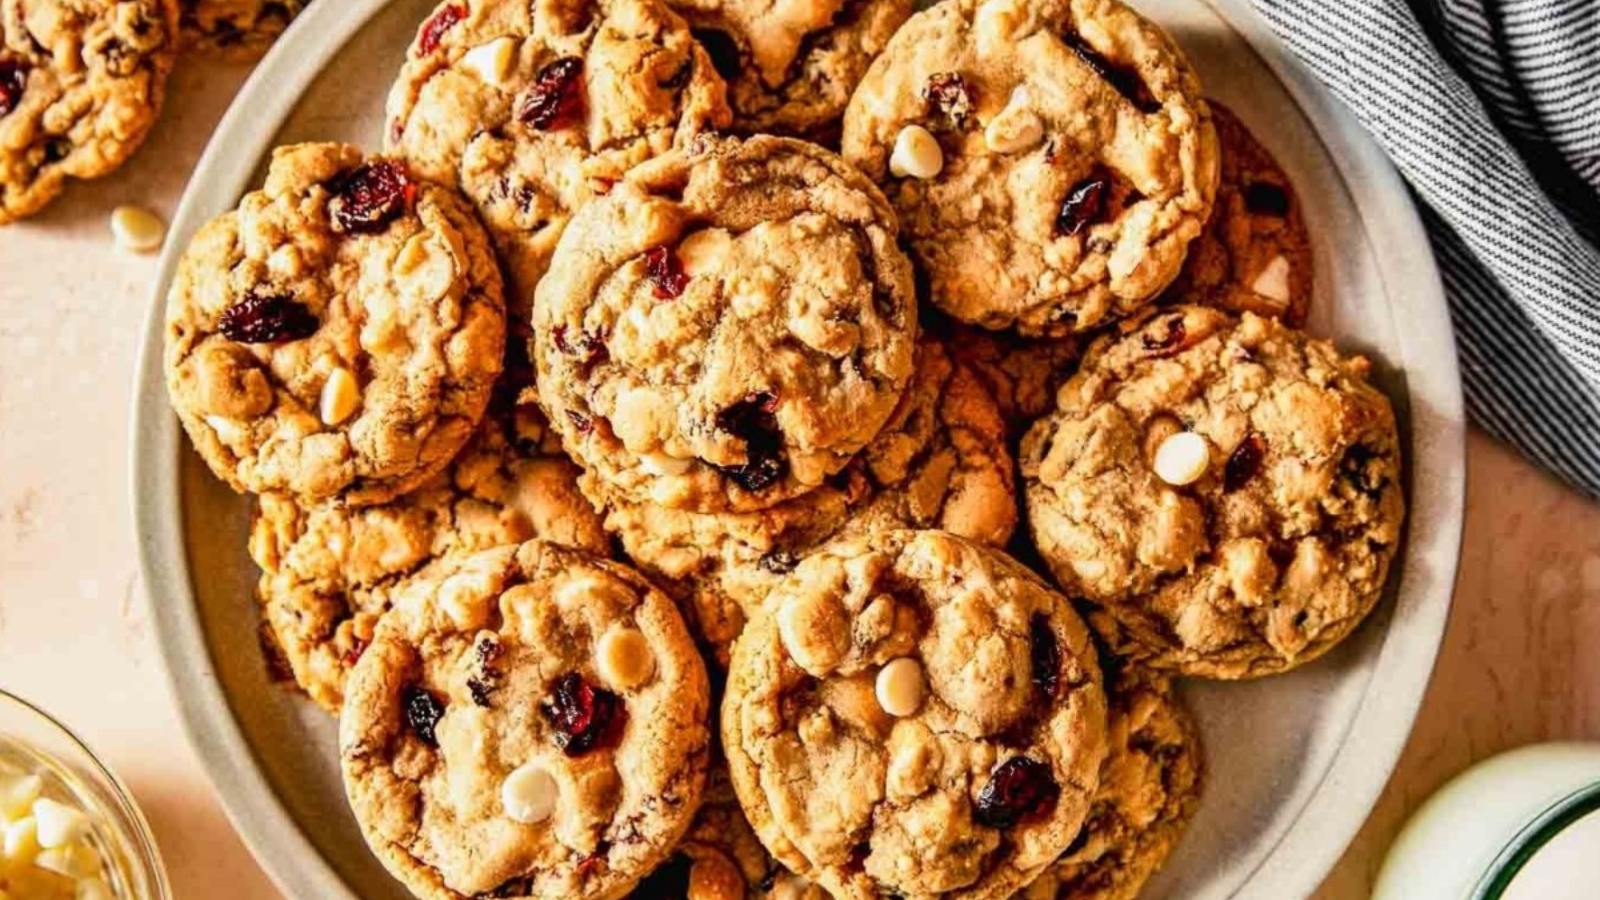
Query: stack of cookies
(639, 478)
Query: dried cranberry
(13, 83)
(1244, 463)
(266, 319)
(778, 562)
(1126, 83)
(585, 346)
(480, 691)
(1019, 788)
(433, 30)
(1166, 337)
(581, 713)
(1046, 655)
(367, 199)
(582, 423)
(1267, 199)
(353, 655)
(753, 420)
(949, 93)
(723, 50)
(1356, 468)
(670, 882)
(1084, 205)
(666, 273)
(423, 712)
(554, 95)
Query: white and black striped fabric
(1491, 110)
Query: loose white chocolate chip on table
(916, 154)
(624, 658)
(1182, 459)
(900, 687)
(1015, 128)
(340, 396)
(1273, 282)
(529, 794)
(492, 61)
(137, 230)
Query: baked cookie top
(1149, 790)
(940, 462)
(920, 717)
(81, 82)
(1226, 490)
(728, 326)
(1050, 160)
(331, 570)
(531, 724)
(240, 30)
(535, 108)
(791, 65)
(1255, 253)
(339, 333)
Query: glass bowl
(33, 742)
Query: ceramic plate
(1296, 762)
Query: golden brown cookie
(236, 30)
(531, 724)
(1022, 374)
(339, 333)
(1226, 492)
(919, 717)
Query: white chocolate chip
(661, 464)
(93, 889)
(1182, 459)
(228, 431)
(584, 590)
(900, 687)
(137, 230)
(916, 154)
(17, 794)
(72, 860)
(529, 794)
(21, 842)
(341, 395)
(1273, 282)
(59, 824)
(625, 659)
(1015, 128)
(492, 61)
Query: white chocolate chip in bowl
(916, 154)
(624, 658)
(901, 686)
(1273, 282)
(491, 62)
(529, 794)
(341, 395)
(1182, 459)
(1015, 128)
(58, 823)
(137, 230)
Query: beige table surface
(1521, 661)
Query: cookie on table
(727, 327)
(331, 570)
(1149, 791)
(791, 66)
(940, 462)
(531, 724)
(918, 717)
(81, 84)
(239, 30)
(534, 108)
(339, 333)
(1255, 253)
(1226, 491)
(1051, 160)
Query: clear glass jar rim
(1533, 837)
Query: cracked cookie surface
(1280, 545)
(238, 30)
(919, 717)
(1075, 158)
(728, 326)
(535, 108)
(81, 84)
(940, 462)
(331, 570)
(339, 333)
(531, 724)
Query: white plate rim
(1304, 853)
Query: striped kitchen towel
(1491, 111)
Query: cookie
(1255, 253)
(920, 717)
(238, 30)
(727, 327)
(81, 83)
(940, 462)
(792, 66)
(529, 725)
(339, 333)
(1051, 160)
(1149, 791)
(535, 108)
(331, 570)
(1226, 491)
(1021, 374)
